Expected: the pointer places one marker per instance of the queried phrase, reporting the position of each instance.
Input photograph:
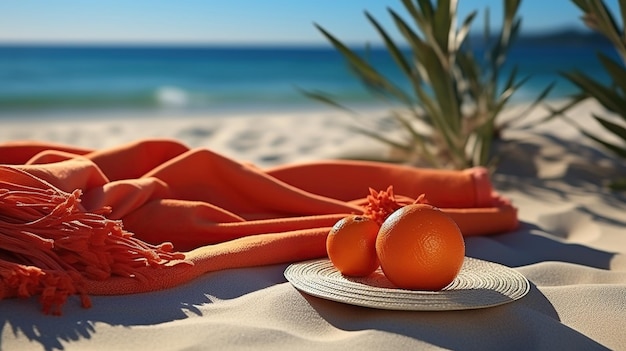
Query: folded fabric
(79, 221)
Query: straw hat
(480, 284)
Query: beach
(264, 138)
(570, 246)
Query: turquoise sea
(84, 79)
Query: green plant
(450, 113)
(612, 96)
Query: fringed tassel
(381, 204)
(49, 244)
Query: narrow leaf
(612, 127)
(541, 97)
(464, 30)
(605, 96)
(582, 4)
(620, 151)
(366, 72)
(615, 70)
(394, 51)
(381, 138)
(442, 22)
(322, 97)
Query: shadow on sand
(52, 332)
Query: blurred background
(82, 58)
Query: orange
(351, 245)
(420, 248)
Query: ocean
(57, 80)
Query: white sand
(571, 247)
(263, 138)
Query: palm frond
(611, 96)
(445, 81)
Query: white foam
(172, 96)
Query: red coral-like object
(381, 204)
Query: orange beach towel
(154, 214)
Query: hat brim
(479, 284)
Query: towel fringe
(49, 245)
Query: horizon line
(536, 34)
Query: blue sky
(233, 21)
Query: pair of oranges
(418, 247)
